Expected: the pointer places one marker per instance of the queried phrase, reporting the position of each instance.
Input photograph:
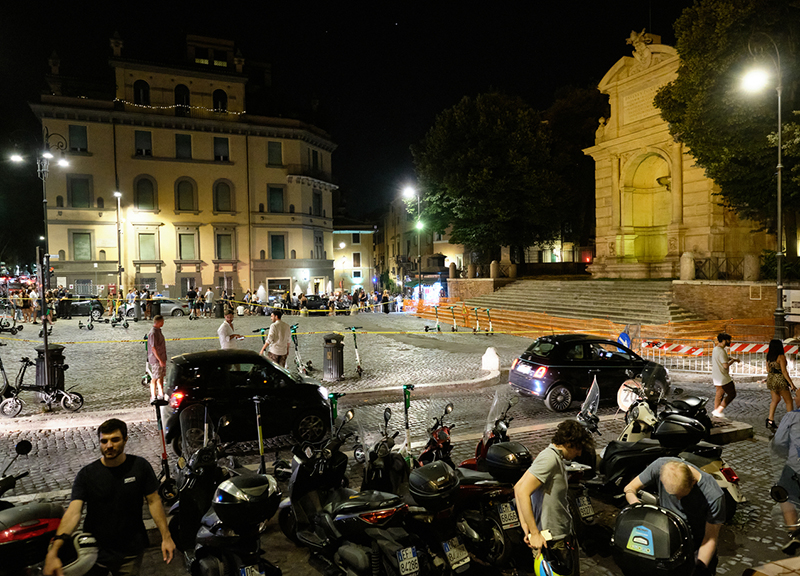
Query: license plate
(585, 507)
(508, 515)
(523, 368)
(250, 571)
(456, 552)
(408, 561)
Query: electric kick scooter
(477, 329)
(490, 331)
(302, 368)
(437, 327)
(455, 325)
(359, 369)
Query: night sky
(381, 70)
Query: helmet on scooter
(78, 554)
(550, 563)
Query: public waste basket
(57, 366)
(333, 361)
(155, 307)
(220, 308)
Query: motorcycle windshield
(589, 406)
(192, 421)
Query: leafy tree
(485, 169)
(727, 130)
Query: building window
(78, 141)
(101, 203)
(184, 196)
(144, 143)
(220, 99)
(81, 246)
(317, 203)
(147, 247)
(222, 197)
(356, 238)
(182, 106)
(275, 198)
(141, 93)
(356, 259)
(274, 153)
(183, 146)
(224, 247)
(263, 254)
(144, 194)
(313, 159)
(186, 247)
(79, 191)
(277, 246)
(356, 273)
(318, 245)
(221, 153)
(201, 55)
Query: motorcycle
(673, 435)
(215, 522)
(348, 532)
(25, 530)
(439, 446)
(496, 431)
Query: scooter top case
(368, 508)
(652, 540)
(25, 533)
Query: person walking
(694, 496)
(113, 488)
(278, 339)
(157, 359)
(385, 301)
(779, 383)
(542, 498)
(227, 337)
(786, 445)
(191, 298)
(209, 303)
(720, 366)
(35, 304)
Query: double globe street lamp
(755, 81)
(410, 192)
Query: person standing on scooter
(113, 488)
(157, 358)
(720, 365)
(694, 496)
(227, 337)
(278, 339)
(541, 496)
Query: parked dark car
(294, 404)
(169, 307)
(83, 304)
(560, 369)
(316, 302)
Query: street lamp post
(753, 81)
(410, 192)
(50, 142)
(118, 196)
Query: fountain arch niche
(647, 207)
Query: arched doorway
(647, 206)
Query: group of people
(25, 304)
(201, 304)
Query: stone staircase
(620, 301)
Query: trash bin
(137, 310)
(57, 366)
(220, 308)
(155, 307)
(333, 361)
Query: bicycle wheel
(7, 317)
(72, 401)
(10, 407)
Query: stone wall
(717, 300)
(466, 288)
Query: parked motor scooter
(674, 435)
(495, 431)
(438, 447)
(26, 529)
(348, 533)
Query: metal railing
(714, 268)
(680, 355)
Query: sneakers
(717, 413)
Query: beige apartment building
(210, 195)
(354, 266)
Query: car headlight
(323, 392)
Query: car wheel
(310, 428)
(177, 312)
(96, 314)
(559, 398)
(129, 313)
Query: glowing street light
(411, 192)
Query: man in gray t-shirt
(720, 375)
(541, 496)
(692, 494)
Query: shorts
(158, 370)
(278, 359)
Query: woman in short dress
(779, 383)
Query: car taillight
(730, 475)
(381, 516)
(514, 363)
(175, 400)
(540, 372)
(27, 531)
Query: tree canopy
(485, 169)
(726, 129)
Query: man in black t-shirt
(113, 488)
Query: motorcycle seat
(689, 403)
(468, 476)
(364, 502)
(336, 498)
(617, 447)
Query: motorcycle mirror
(23, 447)
(387, 414)
(778, 493)
(629, 373)
(513, 401)
(282, 470)
(448, 408)
(223, 422)
(349, 415)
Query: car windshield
(541, 347)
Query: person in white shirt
(209, 303)
(227, 337)
(720, 366)
(278, 339)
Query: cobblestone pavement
(109, 370)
